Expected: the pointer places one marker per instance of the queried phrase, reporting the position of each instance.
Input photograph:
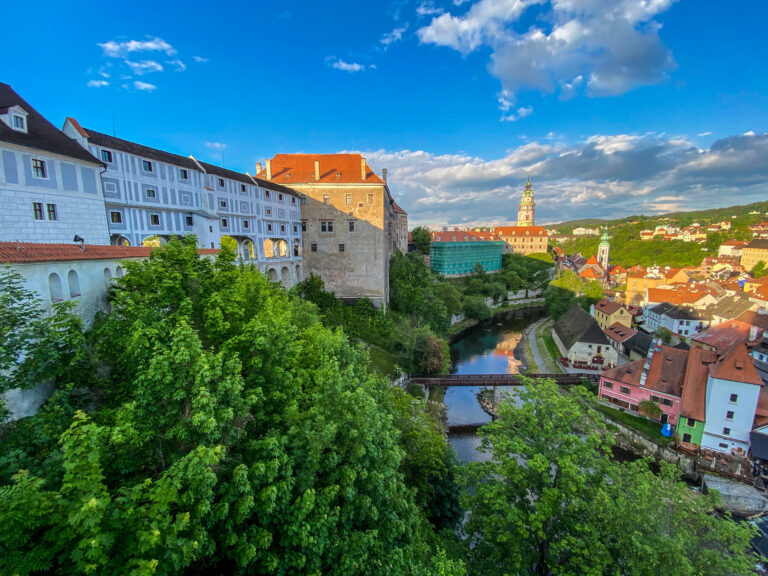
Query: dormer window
(19, 123)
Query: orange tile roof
(592, 260)
(520, 231)
(590, 273)
(13, 252)
(76, 126)
(618, 332)
(608, 307)
(665, 374)
(736, 365)
(694, 395)
(761, 414)
(334, 169)
(679, 296)
(723, 336)
(463, 236)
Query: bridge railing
(498, 379)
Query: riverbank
(459, 329)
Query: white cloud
(395, 36)
(200, 59)
(602, 176)
(506, 100)
(178, 64)
(144, 67)
(115, 49)
(522, 112)
(339, 64)
(428, 8)
(215, 145)
(144, 86)
(702, 134)
(459, 2)
(97, 83)
(605, 47)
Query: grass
(551, 347)
(650, 428)
(547, 347)
(381, 361)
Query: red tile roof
(736, 365)
(463, 236)
(20, 252)
(665, 374)
(694, 395)
(520, 231)
(618, 332)
(607, 307)
(76, 126)
(723, 336)
(590, 273)
(397, 208)
(334, 169)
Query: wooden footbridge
(447, 381)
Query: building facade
(351, 225)
(607, 313)
(457, 253)
(50, 188)
(151, 195)
(754, 253)
(523, 239)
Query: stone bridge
(447, 381)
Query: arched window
(269, 248)
(107, 277)
(298, 273)
(54, 286)
(296, 248)
(285, 276)
(74, 284)
(119, 272)
(273, 275)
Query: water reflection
(489, 348)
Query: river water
(492, 347)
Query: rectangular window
(729, 415)
(655, 399)
(303, 226)
(150, 193)
(351, 225)
(280, 197)
(295, 229)
(189, 220)
(154, 219)
(39, 168)
(625, 390)
(116, 217)
(734, 398)
(268, 212)
(326, 198)
(269, 227)
(242, 188)
(686, 437)
(293, 200)
(370, 198)
(726, 431)
(37, 207)
(348, 199)
(245, 224)
(18, 123)
(724, 446)
(106, 156)
(608, 385)
(341, 247)
(222, 203)
(691, 422)
(266, 193)
(221, 182)
(313, 247)
(666, 402)
(282, 228)
(52, 214)
(146, 165)
(224, 223)
(326, 226)
(183, 174)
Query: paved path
(530, 335)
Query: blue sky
(613, 107)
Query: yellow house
(607, 313)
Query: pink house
(658, 378)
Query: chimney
(384, 175)
(363, 169)
(269, 169)
(753, 333)
(317, 170)
(258, 167)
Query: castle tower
(604, 249)
(527, 207)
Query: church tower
(604, 249)
(527, 207)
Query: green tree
(650, 409)
(759, 270)
(475, 307)
(550, 501)
(422, 239)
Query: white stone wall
(72, 186)
(718, 404)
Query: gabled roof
(608, 307)
(618, 332)
(464, 236)
(21, 252)
(723, 336)
(639, 343)
(397, 208)
(693, 399)
(731, 307)
(576, 325)
(736, 365)
(334, 169)
(665, 373)
(225, 173)
(755, 319)
(590, 273)
(40, 134)
(111, 142)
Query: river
(491, 347)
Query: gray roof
(640, 343)
(107, 141)
(758, 445)
(672, 311)
(225, 173)
(577, 325)
(759, 243)
(731, 307)
(40, 134)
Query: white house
(50, 188)
(680, 321)
(580, 339)
(733, 389)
